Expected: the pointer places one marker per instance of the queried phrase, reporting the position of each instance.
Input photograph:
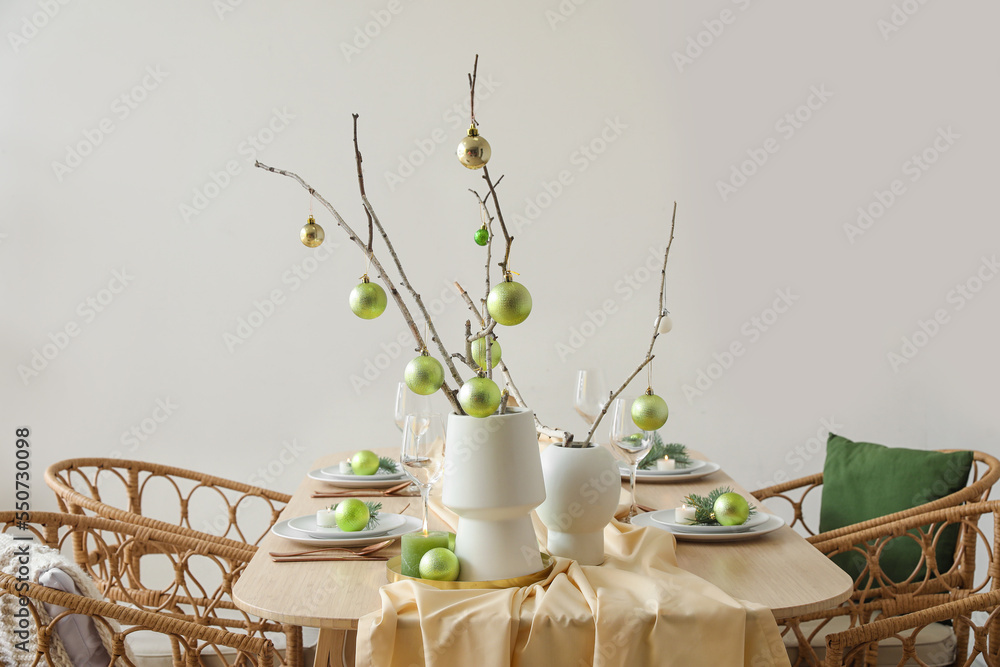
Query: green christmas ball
(731, 509)
(479, 397)
(509, 303)
(368, 300)
(649, 412)
(482, 236)
(479, 353)
(424, 375)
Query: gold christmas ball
(474, 151)
(649, 412)
(424, 375)
(509, 303)
(479, 352)
(479, 397)
(368, 300)
(312, 235)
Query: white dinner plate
(772, 524)
(683, 470)
(376, 481)
(307, 524)
(666, 517)
(684, 476)
(282, 529)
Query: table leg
(335, 648)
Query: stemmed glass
(631, 442)
(409, 403)
(591, 394)
(423, 453)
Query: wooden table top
(780, 570)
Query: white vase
(492, 480)
(582, 488)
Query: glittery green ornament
(479, 397)
(482, 236)
(649, 412)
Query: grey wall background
(126, 258)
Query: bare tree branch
(656, 328)
(361, 181)
(383, 276)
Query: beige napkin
(638, 608)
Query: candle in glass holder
(415, 545)
(685, 514)
(666, 463)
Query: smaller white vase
(582, 489)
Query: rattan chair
(872, 584)
(190, 613)
(191, 639)
(905, 611)
(185, 503)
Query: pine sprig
(674, 450)
(387, 464)
(704, 506)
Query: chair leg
(293, 646)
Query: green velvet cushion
(862, 481)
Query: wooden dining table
(779, 570)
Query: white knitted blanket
(41, 559)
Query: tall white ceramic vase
(582, 489)
(492, 481)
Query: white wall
(285, 396)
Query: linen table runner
(638, 608)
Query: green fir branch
(674, 450)
(387, 464)
(704, 506)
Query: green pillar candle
(415, 545)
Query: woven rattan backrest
(172, 499)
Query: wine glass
(591, 394)
(631, 442)
(423, 453)
(409, 403)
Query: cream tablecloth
(638, 608)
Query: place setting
(721, 516)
